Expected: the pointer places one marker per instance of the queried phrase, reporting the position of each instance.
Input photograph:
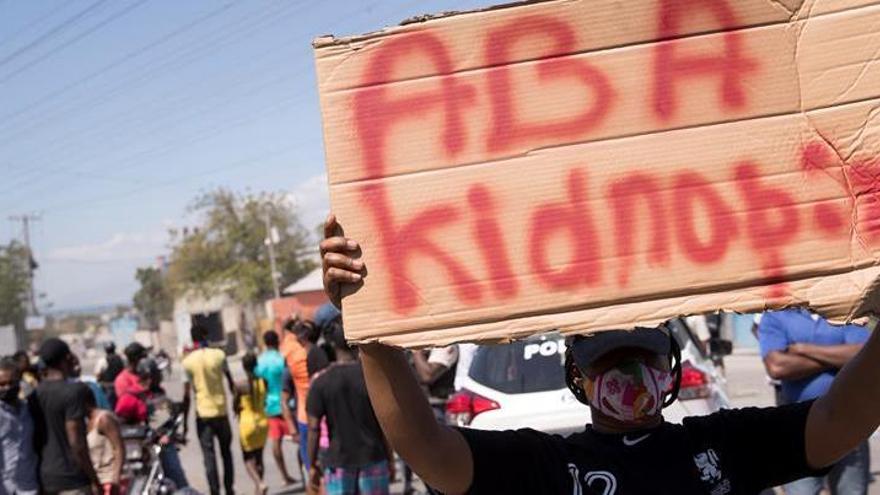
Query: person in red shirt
(132, 404)
(128, 379)
(133, 407)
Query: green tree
(13, 284)
(153, 300)
(227, 251)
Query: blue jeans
(171, 466)
(850, 476)
(303, 443)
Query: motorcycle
(143, 452)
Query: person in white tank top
(106, 448)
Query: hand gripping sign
(591, 164)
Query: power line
(55, 30)
(105, 97)
(166, 114)
(162, 69)
(112, 65)
(196, 115)
(225, 38)
(125, 195)
(72, 41)
(200, 136)
(170, 148)
(39, 20)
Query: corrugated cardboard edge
(867, 280)
(810, 292)
(331, 40)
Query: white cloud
(75, 285)
(311, 200)
(98, 273)
(121, 246)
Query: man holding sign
(625, 377)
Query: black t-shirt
(115, 365)
(316, 360)
(59, 401)
(340, 394)
(730, 452)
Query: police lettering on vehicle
(546, 348)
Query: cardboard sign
(591, 164)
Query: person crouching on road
(359, 459)
(625, 378)
(253, 426)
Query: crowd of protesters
(61, 434)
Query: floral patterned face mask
(630, 391)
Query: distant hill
(96, 309)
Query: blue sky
(114, 114)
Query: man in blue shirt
(805, 352)
(270, 367)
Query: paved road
(747, 386)
(191, 455)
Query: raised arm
(850, 411)
(438, 454)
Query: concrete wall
(231, 316)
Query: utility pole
(271, 235)
(26, 220)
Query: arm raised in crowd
(438, 454)
(847, 415)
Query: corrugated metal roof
(311, 282)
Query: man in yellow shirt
(204, 370)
